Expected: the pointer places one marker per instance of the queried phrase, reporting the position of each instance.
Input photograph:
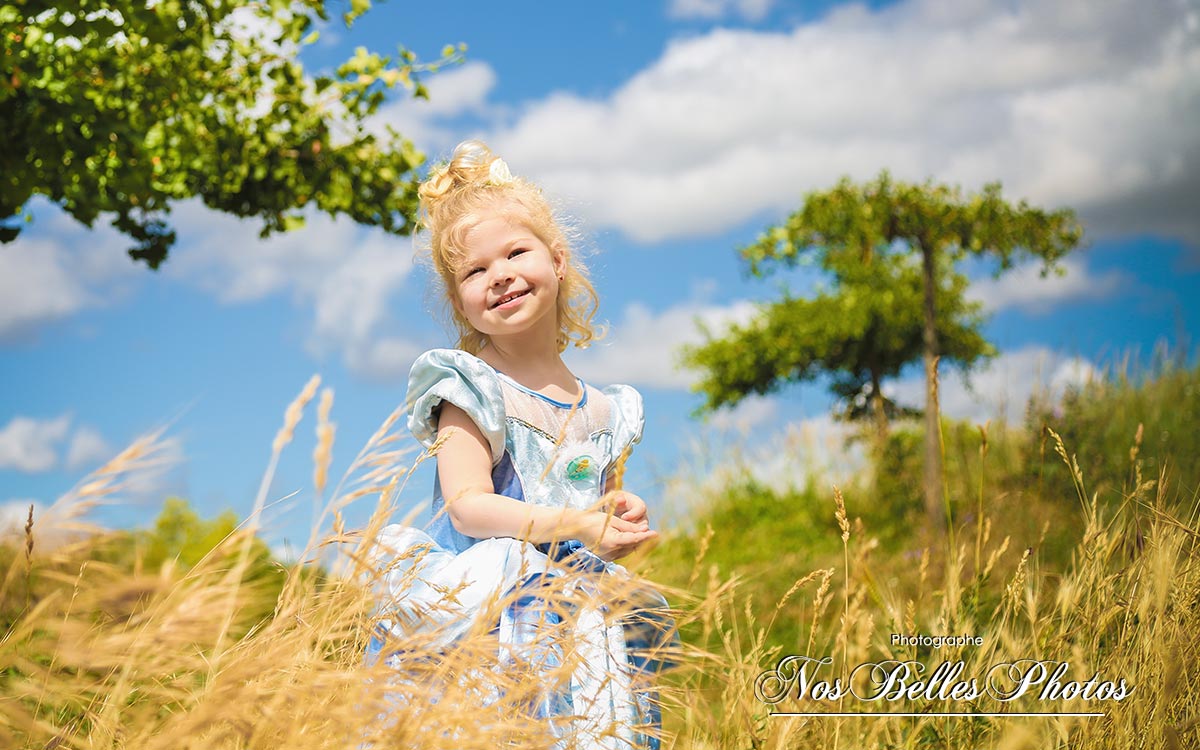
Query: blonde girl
(526, 497)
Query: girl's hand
(629, 507)
(613, 537)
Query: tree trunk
(881, 420)
(933, 450)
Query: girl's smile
(511, 300)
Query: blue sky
(672, 133)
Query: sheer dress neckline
(553, 402)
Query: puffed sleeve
(464, 380)
(628, 417)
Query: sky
(671, 133)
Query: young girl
(526, 499)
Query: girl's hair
(475, 185)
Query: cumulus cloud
(751, 412)
(1026, 288)
(1073, 103)
(154, 476)
(347, 274)
(57, 268)
(35, 445)
(384, 358)
(816, 449)
(454, 92)
(752, 10)
(344, 273)
(642, 348)
(87, 449)
(1003, 387)
(813, 449)
(31, 445)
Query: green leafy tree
(906, 237)
(122, 106)
(863, 328)
(180, 534)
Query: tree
(122, 106)
(863, 328)
(180, 534)
(901, 223)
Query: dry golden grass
(218, 656)
(1127, 608)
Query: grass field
(1073, 539)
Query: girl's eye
(472, 272)
(516, 252)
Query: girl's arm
(465, 473)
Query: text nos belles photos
(894, 680)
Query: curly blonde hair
(473, 186)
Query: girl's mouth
(509, 298)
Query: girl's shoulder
(464, 380)
(441, 362)
(629, 417)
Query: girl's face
(508, 281)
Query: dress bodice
(544, 451)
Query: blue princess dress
(547, 453)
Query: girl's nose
(501, 273)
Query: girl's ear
(560, 263)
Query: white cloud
(384, 358)
(346, 273)
(14, 514)
(752, 412)
(35, 445)
(145, 472)
(643, 348)
(31, 445)
(88, 448)
(453, 92)
(1072, 103)
(153, 476)
(817, 448)
(751, 10)
(56, 268)
(36, 286)
(1024, 286)
(1003, 387)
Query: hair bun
(470, 165)
(472, 156)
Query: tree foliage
(180, 534)
(863, 328)
(881, 242)
(122, 106)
